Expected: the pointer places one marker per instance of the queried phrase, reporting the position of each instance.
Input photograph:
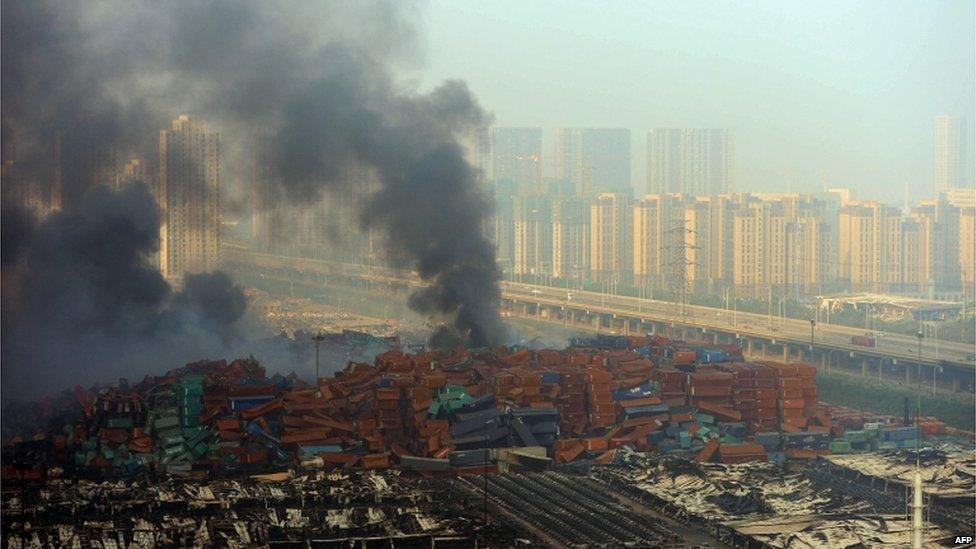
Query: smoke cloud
(82, 301)
(315, 78)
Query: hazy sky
(843, 88)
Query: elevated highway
(941, 366)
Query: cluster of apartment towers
(687, 232)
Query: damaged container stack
(463, 410)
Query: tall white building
(570, 238)
(611, 238)
(189, 198)
(950, 153)
(697, 162)
(594, 160)
(532, 235)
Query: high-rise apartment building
(611, 238)
(516, 156)
(882, 251)
(659, 240)
(268, 222)
(136, 170)
(697, 243)
(532, 235)
(594, 160)
(570, 238)
(780, 244)
(940, 222)
(708, 237)
(189, 198)
(967, 249)
(500, 230)
(808, 248)
(959, 197)
(32, 185)
(950, 153)
(759, 247)
(697, 162)
(911, 273)
(862, 256)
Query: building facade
(189, 198)
(697, 162)
(611, 238)
(570, 238)
(949, 160)
(594, 160)
(516, 157)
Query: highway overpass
(940, 366)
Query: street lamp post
(813, 324)
(317, 338)
(734, 298)
(918, 372)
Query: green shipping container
(120, 422)
(166, 422)
(839, 447)
(705, 418)
(854, 437)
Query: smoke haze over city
(456, 273)
(85, 85)
(842, 91)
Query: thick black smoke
(316, 78)
(84, 299)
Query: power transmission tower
(677, 244)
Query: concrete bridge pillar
(786, 352)
(749, 347)
(864, 367)
(823, 361)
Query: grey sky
(846, 88)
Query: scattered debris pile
(763, 504)
(459, 412)
(325, 509)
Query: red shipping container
(791, 392)
(709, 390)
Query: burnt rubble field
(613, 441)
(640, 500)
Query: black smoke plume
(316, 78)
(82, 301)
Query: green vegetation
(884, 397)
